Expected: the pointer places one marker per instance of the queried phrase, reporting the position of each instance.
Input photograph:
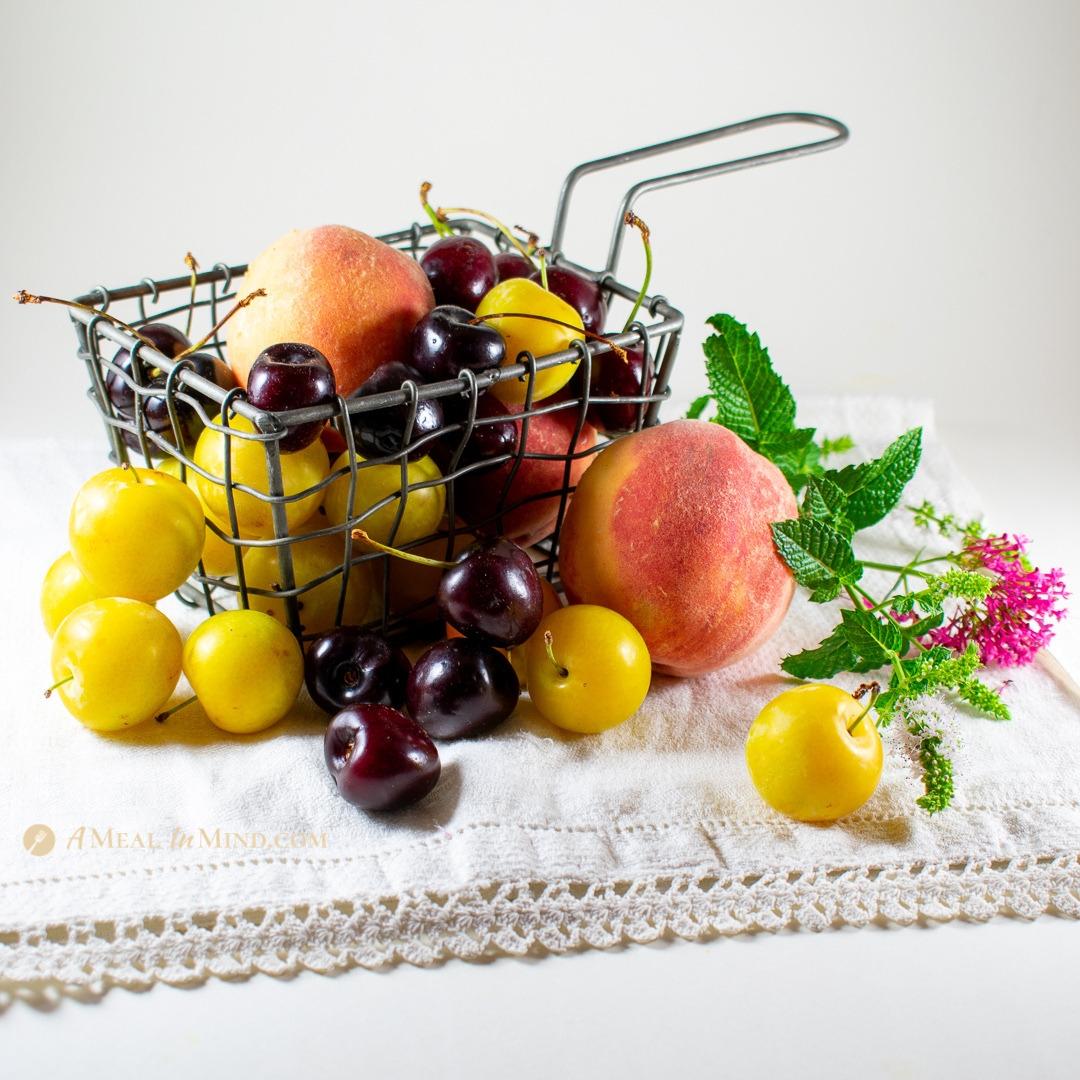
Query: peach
(353, 297)
(670, 528)
(530, 516)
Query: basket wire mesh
(156, 300)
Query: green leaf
(874, 487)
(834, 654)
(840, 445)
(698, 406)
(875, 641)
(794, 453)
(826, 501)
(751, 399)
(924, 625)
(819, 556)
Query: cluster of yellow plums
(116, 659)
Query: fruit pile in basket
(647, 547)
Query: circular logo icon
(39, 839)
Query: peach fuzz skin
(352, 297)
(670, 528)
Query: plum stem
(440, 226)
(163, 716)
(635, 222)
(444, 211)
(57, 685)
(619, 351)
(128, 467)
(193, 265)
(239, 306)
(420, 560)
(549, 648)
(874, 690)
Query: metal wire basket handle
(839, 136)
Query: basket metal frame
(658, 336)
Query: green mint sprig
(883, 632)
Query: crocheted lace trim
(86, 958)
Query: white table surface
(955, 999)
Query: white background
(934, 256)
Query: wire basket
(155, 300)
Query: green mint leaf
(903, 603)
(874, 487)
(840, 445)
(698, 406)
(826, 501)
(833, 655)
(875, 641)
(924, 625)
(794, 453)
(751, 399)
(819, 556)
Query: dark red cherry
(580, 292)
(511, 264)
(445, 341)
(492, 593)
(461, 688)
(380, 432)
(348, 666)
(291, 375)
(613, 377)
(168, 341)
(461, 270)
(380, 758)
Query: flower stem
(633, 220)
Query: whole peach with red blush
(350, 296)
(670, 528)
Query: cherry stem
(420, 560)
(635, 222)
(444, 211)
(193, 265)
(549, 648)
(619, 351)
(440, 226)
(240, 305)
(57, 685)
(24, 297)
(163, 716)
(874, 690)
(531, 239)
(543, 270)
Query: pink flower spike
(1021, 611)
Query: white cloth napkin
(181, 853)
